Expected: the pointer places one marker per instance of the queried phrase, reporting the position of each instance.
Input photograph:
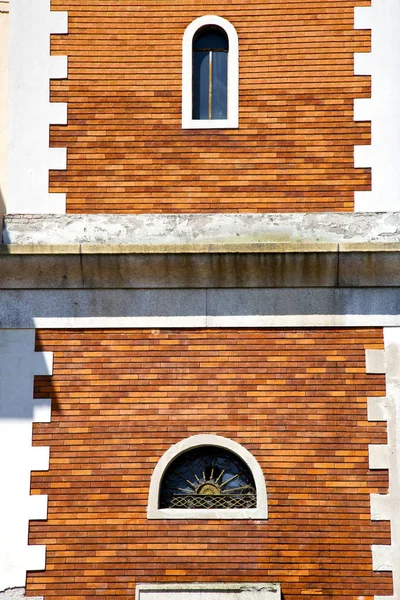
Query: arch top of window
(173, 454)
(210, 37)
(211, 34)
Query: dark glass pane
(201, 76)
(208, 477)
(211, 38)
(219, 85)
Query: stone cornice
(138, 266)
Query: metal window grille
(208, 477)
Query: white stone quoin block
(375, 361)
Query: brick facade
(295, 398)
(293, 151)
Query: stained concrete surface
(202, 228)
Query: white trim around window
(233, 76)
(196, 441)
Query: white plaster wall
(4, 11)
(18, 365)
(383, 64)
(30, 110)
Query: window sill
(210, 124)
(208, 513)
(212, 591)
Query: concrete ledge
(192, 248)
(32, 249)
(183, 248)
(119, 266)
(150, 229)
(369, 247)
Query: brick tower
(199, 300)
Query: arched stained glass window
(210, 73)
(208, 477)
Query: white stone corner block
(58, 113)
(378, 456)
(42, 411)
(362, 17)
(59, 21)
(378, 408)
(375, 360)
(57, 159)
(392, 354)
(37, 507)
(380, 507)
(43, 363)
(363, 109)
(362, 156)
(40, 458)
(364, 201)
(35, 558)
(56, 204)
(58, 67)
(362, 63)
(382, 558)
(370, 202)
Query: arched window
(210, 74)
(207, 477)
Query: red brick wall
(295, 398)
(293, 151)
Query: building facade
(199, 300)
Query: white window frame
(187, 76)
(196, 441)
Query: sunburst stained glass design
(208, 477)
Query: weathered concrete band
(302, 247)
(201, 228)
(299, 265)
